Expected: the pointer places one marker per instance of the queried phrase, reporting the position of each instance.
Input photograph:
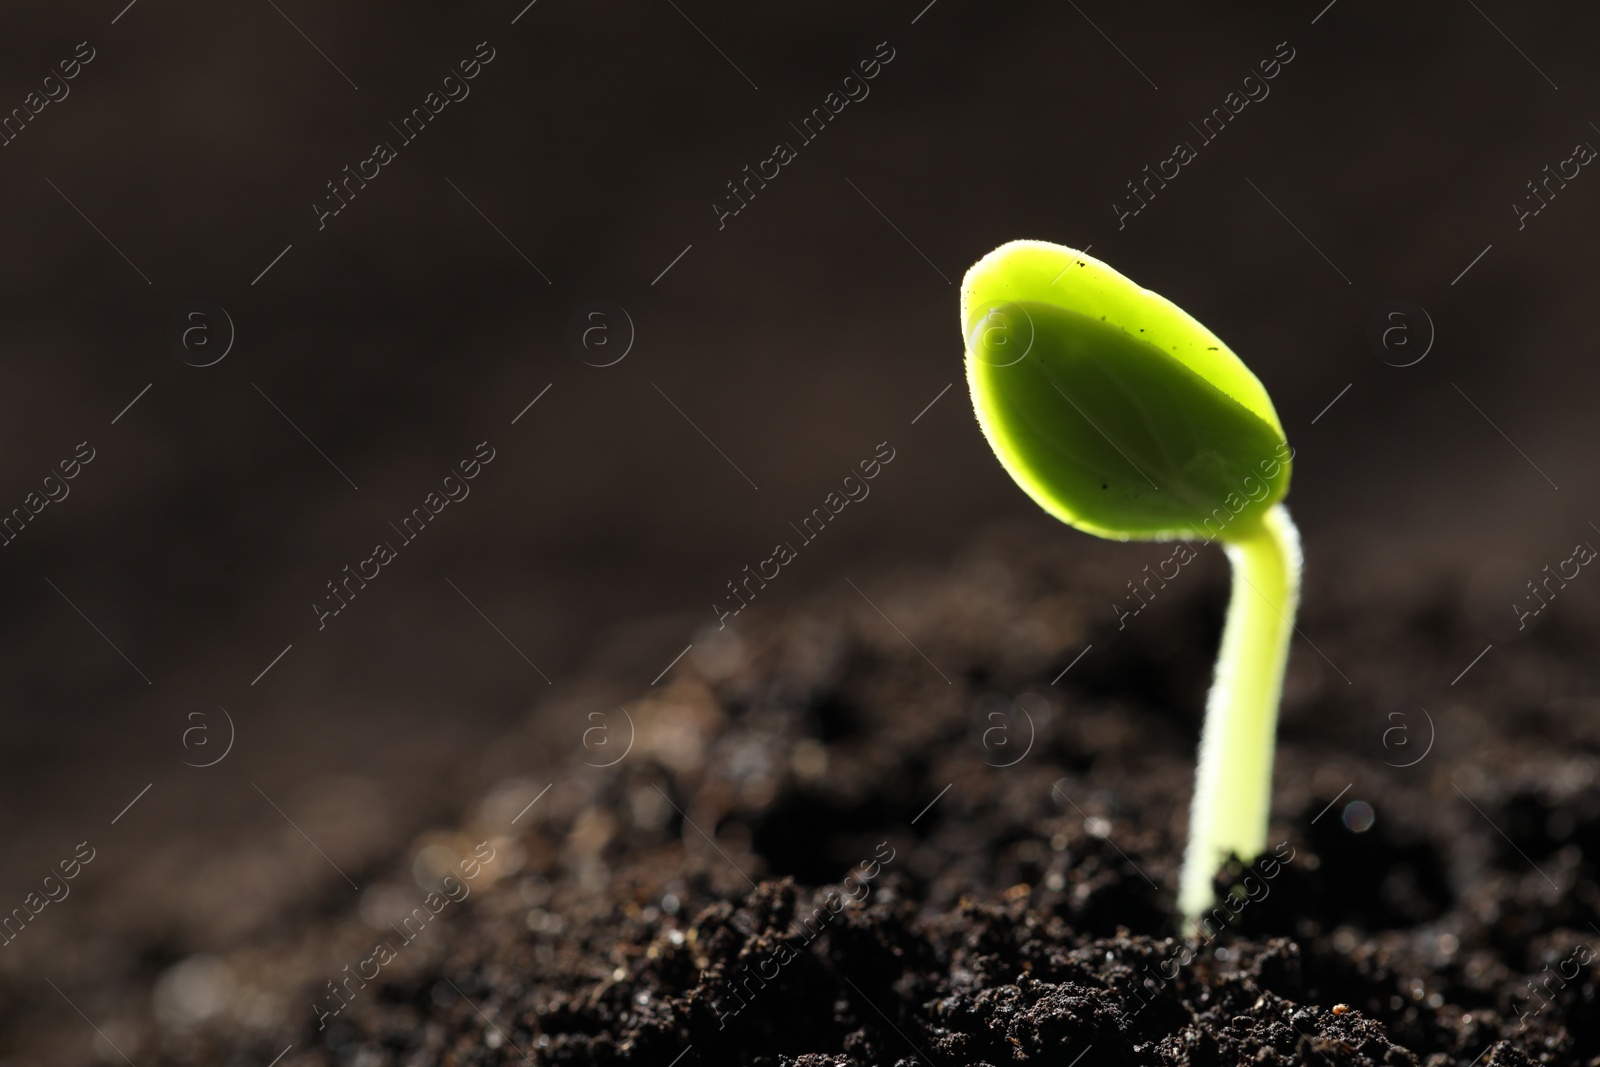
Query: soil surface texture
(942, 826)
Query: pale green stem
(1233, 783)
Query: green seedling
(1121, 415)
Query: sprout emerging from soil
(1121, 415)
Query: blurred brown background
(820, 321)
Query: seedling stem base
(1233, 783)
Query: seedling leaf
(1113, 408)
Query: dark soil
(815, 853)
